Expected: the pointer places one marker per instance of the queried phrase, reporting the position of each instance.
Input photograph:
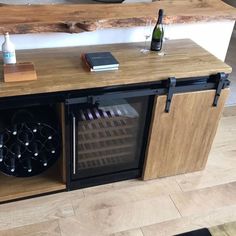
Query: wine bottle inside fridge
(158, 33)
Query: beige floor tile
(75, 194)
(134, 232)
(230, 59)
(229, 111)
(226, 134)
(204, 200)
(35, 210)
(120, 218)
(221, 165)
(49, 228)
(228, 229)
(125, 195)
(113, 186)
(207, 178)
(99, 189)
(189, 223)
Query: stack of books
(100, 61)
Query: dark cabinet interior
(31, 151)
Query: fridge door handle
(74, 143)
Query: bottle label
(8, 54)
(156, 45)
(9, 57)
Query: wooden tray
(19, 72)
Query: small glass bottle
(8, 51)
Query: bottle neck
(159, 21)
(7, 38)
(160, 17)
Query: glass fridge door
(108, 136)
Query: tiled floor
(228, 229)
(159, 207)
(231, 60)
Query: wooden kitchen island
(186, 89)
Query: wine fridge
(108, 134)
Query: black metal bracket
(171, 83)
(221, 79)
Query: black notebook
(101, 60)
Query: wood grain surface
(89, 17)
(61, 69)
(180, 140)
(19, 72)
(228, 229)
(14, 188)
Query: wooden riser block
(19, 72)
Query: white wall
(213, 36)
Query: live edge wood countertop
(74, 18)
(61, 69)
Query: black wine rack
(28, 148)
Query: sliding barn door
(180, 141)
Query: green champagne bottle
(158, 33)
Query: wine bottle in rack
(47, 133)
(35, 149)
(33, 127)
(89, 113)
(49, 136)
(29, 165)
(26, 140)
(14, 130)
(82, 116)
(50, 147)
(12, 164)
(96, 111)
(44, 160)
(1, 140)
(158, 33)
(17, 150)
(111, 112)
(118, 111)
(1, 154)
(104, 114)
